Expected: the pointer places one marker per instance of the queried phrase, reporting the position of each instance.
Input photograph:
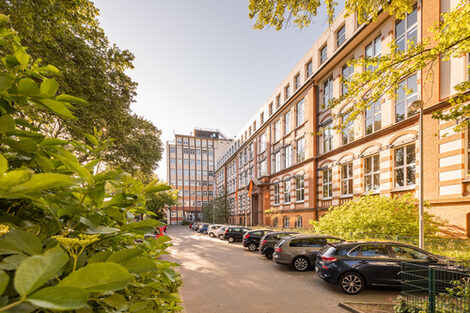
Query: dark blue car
(355, 265)
(203, 229)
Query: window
(406, 30)
(327, 138)
(287, 123)
(298, 222)
(299, 118)
(340, 36)
(288, 156)
(308, 69)
(278, 101)
(323, 54)
(297, 81)
(172, 150)
(347, 134)
(373, 117)
(347, 179)
(300, 150)
(261, 118)
(287, 92)
(405, 161)
(262, 143)
(270, 109)
(276, 194)
(346, 73)
(287, 191)
(375, 251)
(406, 94)
(327, 183)
(327, 94)
(285, 221)
(409, 253)
(263, 169)
(275, 222)
(299, 189)
(373, 50)
(277, 161)
(277, 131)
(372, 174)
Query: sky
(201, 63)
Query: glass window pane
(410, 175)
(411, 18)
(399, 179)
(410, 154)
(399, 28)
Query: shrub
(375, 215)
(69, 234)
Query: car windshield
(327, 250)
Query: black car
(235, 233)
(355, 265)
(269, 240)
(252, 238)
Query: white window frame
(405, 99)
(327, 183)
(286, 186)
(300, 113)
(299, 189)
(300, 152)
(373, 174)
(288, 156)
(407, 164)
(276, 194)
(347, 179)
(287, 125)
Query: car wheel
(211, 235)
(252, 247)
(221, 237)
(301, 264)
(351, 283)
(231, 239)
(269, 254)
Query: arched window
(285, 221)
(298, 222)
(275, 222)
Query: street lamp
(418, 105)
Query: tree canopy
(450, 38)
(67, 34)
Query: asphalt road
(226, 278)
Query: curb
(349, 308)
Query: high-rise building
(190, 169)
(299, 166)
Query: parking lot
(223, 277)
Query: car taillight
(278, 250)
(264, 241)
(226, 231)
(329, 259)
(247, 236)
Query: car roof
(313, 236)
(281, 232)
(253, 230)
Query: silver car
(211, 230)
(219, 233)
(300, 251)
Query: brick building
(190, 169)
(300, 167)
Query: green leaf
(59, 298)
(4, 18)
(4, 280)
(49, 69)
(138, 306)
(53, 142)
(97, 193)
(139, 264)
(44, 181)
(100, 229)
(170, 274)
(49, 87)
(145, 226)
(26, 241)
(6, 80)
(13, 178)
(3, 164)
(72, 99)
(99, 277)
(116, 301)
(99, 257)
(92, 139)
(12, 262)
(156, 188)
(7, 123)
(8, 248)
(36, 270)
(22, 56)
(123, 255)
(57, 107)
(28, 87)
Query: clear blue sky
(200, 63)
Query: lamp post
(418, 105)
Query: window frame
(276, 194)
(407, 29)
(328, 183)
(348, 179)
(376, 42)
(300, 113)
(404, 166)
(288, 156)
(376, 117)
(287, 123)
(347, 132)
(408, 98)
(374, 174)
(299, 189)
(323, 55)
(327, 84)
(327, 141)
(300, 155)
(286, 186)
(339, 36)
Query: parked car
(252, 238)
(300, 251)
(220, 232)
(355, 265)
(211, 231)
(198, 225)
(203, 229)
(235, 233)
(269, 240)
(158, 232)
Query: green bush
(70, 238)
(375, 215)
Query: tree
(159, 201)
(451, 38)
(67, 34)
(216, 210)
(375, 215)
